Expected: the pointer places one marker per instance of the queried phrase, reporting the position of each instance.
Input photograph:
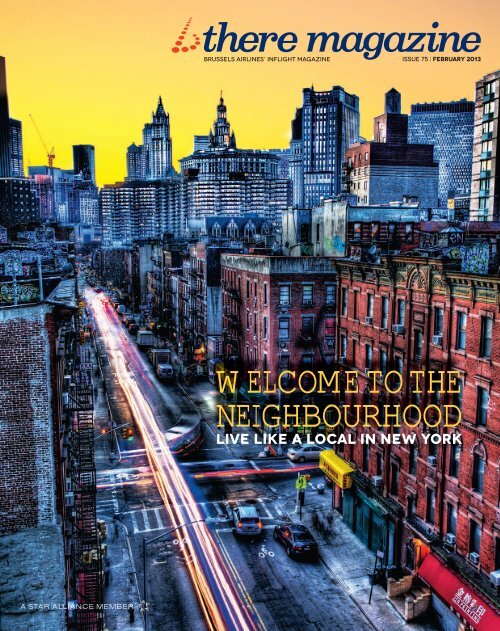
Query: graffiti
(25, 293)
(475, 258)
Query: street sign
(301, 482)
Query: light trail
(219, 598)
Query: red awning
(458, 595)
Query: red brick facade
(449, 321)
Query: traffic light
(128, 433)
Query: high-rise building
(84, 162)
(153, 159)
(220, 178)
(389, 169)
(133, 211)
(295, 165)
(135, 163)
(450, 128)
(329, 124)
(19, 202)
(484, 204)
(4, 123)
(16, 148)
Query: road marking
(158, 518)
(252, 463)
(270, 527)
(134, 522)
(264, 508)
(146, 520)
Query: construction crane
(50, 154)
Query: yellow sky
(91, 72)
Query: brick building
(278, 312)
(412, 313)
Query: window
(357, 231)
(264, 327)
(255, 316)
(431, 506)
(307, 361)
(354, 352)
(451, 521)
(355, 308)
(369, 306)
(265, 293)
(461, 330)
(475, 537)
(383, 363)
(248, 320)
(307, 326)
(489, 88)
(248, 288)
(329, 327)
(284, 295)
(401, 311)
(380, 463)
(485, 343)
(317, 233)
(264, 362)
(458, 396)
(482, 406)
(417, 345)
(478, 473)
(307, 294)
(438, 320)
(412, 501)
(368, 355)
(284, 329)
(385, 313)
(399, 365)
(283, 362)
(343, 345)
(330, 295)
(394, 479)
(344, 301)
(413, 459)
(366, 457)
(454, 461)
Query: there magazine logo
(182, 42)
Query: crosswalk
(217, 513)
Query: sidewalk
(348, 560)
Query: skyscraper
(157, 145)
(330, 124)
(153, 159)
(4, 123)
(84, 162)
(484, 204)
(450, 128)
(16, 148)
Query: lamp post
(145, 542)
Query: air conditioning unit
(65, 399)
(432, 460)
(495, 578)
(70, 499)
(437, 340)
(450, 539)
(342, 359)
(282, 344)
(368, 320)
(474, 558)
(399, 329)
(377, 481)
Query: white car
(304, 453)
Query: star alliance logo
(181, 44)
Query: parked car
(304, 453)
(297, 540)
(246, 521)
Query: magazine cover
(249, 316)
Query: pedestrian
(131, 613)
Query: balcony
(307, 340)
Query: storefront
(459, 606)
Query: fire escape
(84, 546)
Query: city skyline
(107, 99)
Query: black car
(297, 539)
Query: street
(202, 575)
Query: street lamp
(145, 542)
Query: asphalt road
(280, 593)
